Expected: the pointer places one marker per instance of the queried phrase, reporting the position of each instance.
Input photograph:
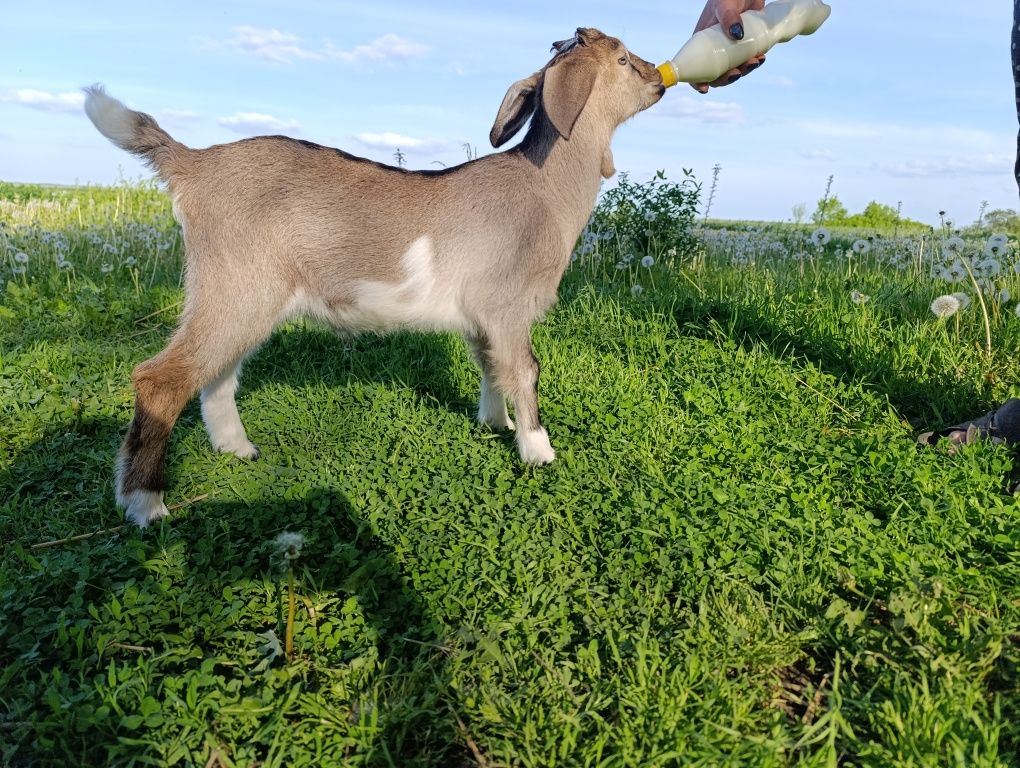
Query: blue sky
(900, 101)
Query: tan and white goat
(276, 227)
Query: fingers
(733, 75)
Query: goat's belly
(380, 307)
(422, 300)
(386, 307)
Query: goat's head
(590, 70)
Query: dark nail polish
(737, 31)
(732, 79)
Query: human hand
(727, 14)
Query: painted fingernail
(732, 79)
(737, 31)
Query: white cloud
(385, 49)
(68, 103)
(254, 123)
(389, 140)
(178, 117)
(703, 110)
(844, 129)
(978, 165)
(286, 48)
(271, 45)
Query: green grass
(740, 556)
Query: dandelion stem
(984, 307)
(288, 644)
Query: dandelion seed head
(289, 544)
(636, 290)
(990, 267)
(954, 273)
(861, 247)
(954, 245)
(649, 215)
(19, 270)
(821, 236)
(647, 262)
(857, 297)
(21, 257)
(945, 306)
(963, 298)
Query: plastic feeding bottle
(710, 54)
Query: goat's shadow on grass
(310, 354)
(212, 583)
(401, 710)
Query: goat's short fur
(276, 227)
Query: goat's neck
(570, 169)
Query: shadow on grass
(368, 685)
(922, 400)
(153, 646)
(311, 354)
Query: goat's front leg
(516, 370)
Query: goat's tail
(133, 131)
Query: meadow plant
(637, 229)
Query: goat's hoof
(242, 449)
(500, 424)
(143, 507)
(535, 447)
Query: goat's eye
(622, 61)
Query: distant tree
(875, 215)
(829, 211)
(1004, 219)
(799, 212)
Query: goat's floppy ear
(568, 84)
(518, 105)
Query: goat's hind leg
(201, 355)
(491, 402)
(219, 413)
(163, 386)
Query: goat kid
(276, 227)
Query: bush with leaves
(650, 219)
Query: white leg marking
(140, 507)
(222, 422)
(535, 447)
(492, 407)
(143, 507)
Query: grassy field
(740, 557)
